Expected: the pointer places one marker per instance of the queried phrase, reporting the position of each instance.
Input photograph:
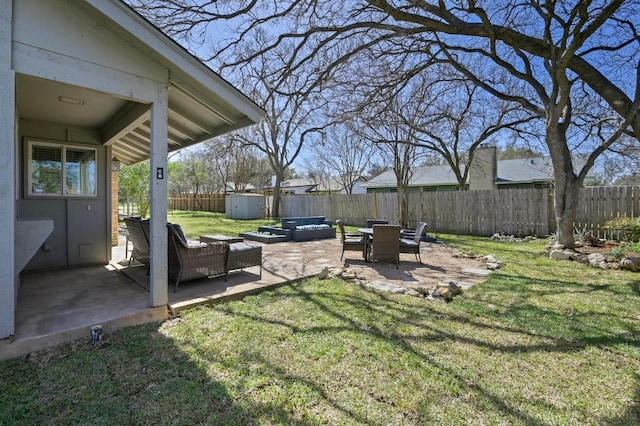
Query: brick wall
(114, 207)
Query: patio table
(368, 236)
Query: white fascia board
(178, 58)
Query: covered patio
(84, 83)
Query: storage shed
(244, 206)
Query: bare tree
(551, 58)
(387, 129)
(342, 156)
(235, 164)
(291, 119)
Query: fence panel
(511, 211)
(200, 202)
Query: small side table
(218, 237)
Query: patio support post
(8, 277)
(159, 237)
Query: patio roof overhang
(201, 104)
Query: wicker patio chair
(412, 245)
(190, 260)
(139, 238)
(386, 244)
(351, 242)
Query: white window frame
(63, 147)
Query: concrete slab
(61, 306)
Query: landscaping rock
(413, 292)
(631, 263)
(324, 274)
(382, 286)
(443, 292)
(423, 290)
(597, 260)
(453, 287)
(490, 258)
(561, 254)
(512, 238)
(349, 275)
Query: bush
(623, 249)
(627, 228)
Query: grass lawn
(540, 342)
(195, 224)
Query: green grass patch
(196, 223)
(541, 342)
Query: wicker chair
(351, 242)
(138, 234)
(412, 245)
(192, 260)
(386, 243)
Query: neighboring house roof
(304, 184)
(525, 170)
(422, 176)
(311, 185)
(521, 170)
(231, 187)
(201, 104)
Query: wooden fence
(201, 202)
(511, 211)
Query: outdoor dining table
(368, 236)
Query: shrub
(621, 251)
(627, 228)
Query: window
(61, 170)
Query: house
(86, 85)
(487, 173)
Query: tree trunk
(565, 206)
(403, 206)
(567, 186)
(275, 207)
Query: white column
(8, 278)
(159, 135)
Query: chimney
(484, 169)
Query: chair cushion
(178, 229)
(354, 241)
(408, 243)
(311, 226)
(237, 247)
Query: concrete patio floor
(60, 306)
